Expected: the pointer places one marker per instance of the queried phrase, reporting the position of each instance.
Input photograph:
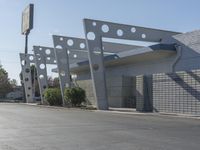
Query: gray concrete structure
(172, 52)
(75, 52)
(121, 72)
(63, 69)
(177, 92)
(26, 60)
(95, 30)
(144, 97)
(59, 56)
(43, 56)
(117, 73)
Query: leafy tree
(74, 96)
(53, 96)
(5, 86)
(50, 81)
(53, 82)
(56, 83)
(13, 83)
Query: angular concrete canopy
(77, 51)
(95, 30)
(26, 60)
(43, 56)
(154, 52)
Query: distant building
(17, 93)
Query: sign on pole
(27, 19)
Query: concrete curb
(56, 107)
(151, 114)
(119, 111)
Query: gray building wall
(144, 100)
(121, 82)
(190, 44)
(174, 92)
(177, 92)
(120, 91)
(87, 86)
(180, 92)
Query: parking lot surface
(24, 127)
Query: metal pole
(26, 42)
(26, 51)
(34, 71)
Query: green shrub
(53, 96)
(74, 96)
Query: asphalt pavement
(25, 127)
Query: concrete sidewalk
(128, 111)
(132, 111)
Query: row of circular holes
(70, 42)
(28, 70)
(42, 77)
(105, 29)
(48, 51)
(42, 66)
(27, 79)
(91, 35)
(68, 52)
(32, 58)
(48, 58)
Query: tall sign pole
(26, 26)
(27, 23)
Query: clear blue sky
(65, 17)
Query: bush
(74, 96)
(53, 96)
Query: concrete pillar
(144, 93)
(26, 59)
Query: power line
(4, 49)
(14, 62)
(9, 52)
